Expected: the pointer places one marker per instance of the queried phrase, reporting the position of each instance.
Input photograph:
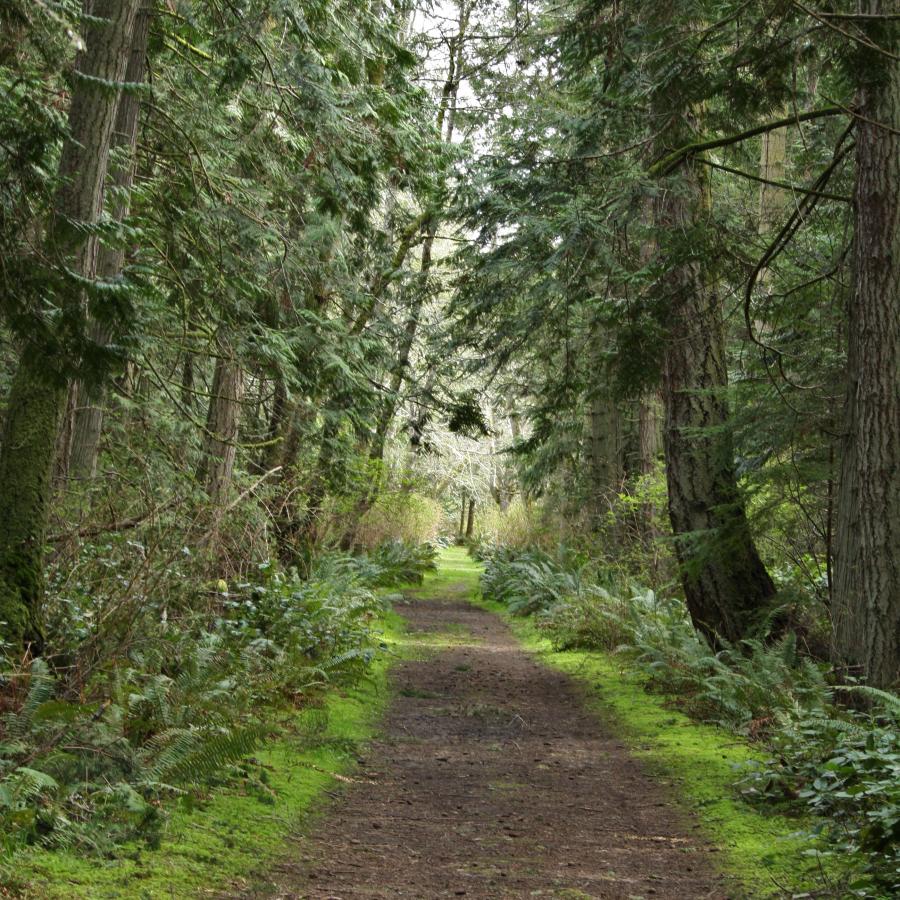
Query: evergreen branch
(857, 39)
(782, 184)
(859, 17)
(782, 240)
(670, 161)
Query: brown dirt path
(490, 780)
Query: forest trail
(490, 779)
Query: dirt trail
(491, 780)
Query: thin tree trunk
(65, 437)
(38, 394)
(271, 455)
(867, 550)
(462, 519)
(470, 521)
(304, 530)
(605, 433)
(222, 425)
(187, 381)
(649, 435)
(773, 200)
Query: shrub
(89, 762)
(844, 768)
(400, 562)
(531, 581)
(404, 516)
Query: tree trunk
(773, 200)
(605, 432)
(272, 453)
(222, 425)
(725, 582)
(296, 531)
(462, 519)
(38, 393)
(867, 549)
(88, 421)
(470, 521)
(649, 437)
(65, 437)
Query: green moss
(235, 833)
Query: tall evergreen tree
(38, 393)
(867, 554)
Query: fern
(191, 756)
(889, 702)
(40, 689)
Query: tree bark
(38, 392)
(605, 454)
(470, 521)
(773, 200)
(88, 421)
(725, 582)
(867, 539)
(222, 425)
(649, 437)
(297, 531)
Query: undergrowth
(838, 763)
(94, 756)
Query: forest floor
(492, 778)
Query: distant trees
(202, 305)
(265, 284)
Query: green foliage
(844, 767)
(397, 562)
(408, 516)
(529, 582)
(185, 707)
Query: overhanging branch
(670, 161)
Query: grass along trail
(491, 778)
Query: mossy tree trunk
(725, 582)
(867, 547)
(38, 392)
